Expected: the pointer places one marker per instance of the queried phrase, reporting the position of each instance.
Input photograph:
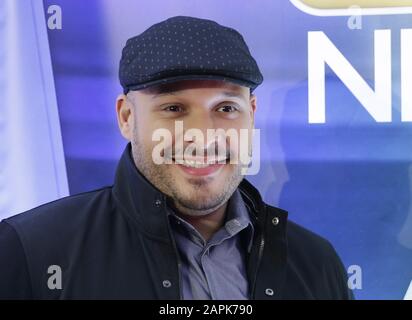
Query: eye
(227, 109)
(173, 108)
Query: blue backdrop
(348, 179)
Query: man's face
(196, 189)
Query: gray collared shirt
(215, 269)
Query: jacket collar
(144, 204)
(136, 196)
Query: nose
(196, 127)
(200, 120)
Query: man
(187, 228)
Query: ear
(124, 112)
(253, 107)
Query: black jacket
(116, 242)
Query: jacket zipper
(179, 263)
(260, 255)
(179, 266)
(261, 245)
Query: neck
(207, 225)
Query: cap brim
(145, 85)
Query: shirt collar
(237, 219)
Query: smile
(200, 167)
(199, 163)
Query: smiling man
(189, 226)
(200, 185)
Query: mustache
(174, 152)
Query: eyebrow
(157, 95)
(231, 94)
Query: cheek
(142, 135)
(155, 137)
(241, 124)
(240, 146)
(242, 121)
(143, 128)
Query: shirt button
(275, 221)
(158, 202)
(166, 284)
(269, 292)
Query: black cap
(187, 48)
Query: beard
(195, 197)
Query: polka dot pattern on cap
(184, 48)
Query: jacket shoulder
(63, 233)
(308, 240)
(61, 215)
(59, 206)
(315, 259)
(314, 269)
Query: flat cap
(187, 48)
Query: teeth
(199, 164)
(195, 164)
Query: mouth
(200, 166)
